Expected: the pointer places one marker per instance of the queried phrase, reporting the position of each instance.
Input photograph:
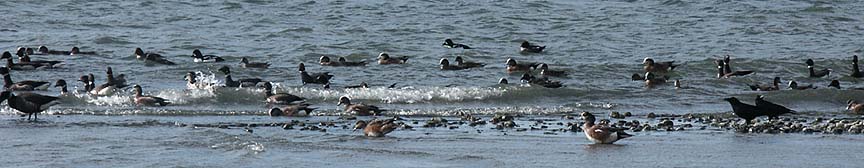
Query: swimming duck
(62, 85)
(724, 72)
(105, 89)
(344, 62)
(855, 107)
(362, 85)
(384, 59)
(503, 81)
(445, 65)
(325, 61)
(817, 74)
(376, 127)
(542, 81)
(359, 109)
(450, 44)
(280, 98)
(794, 85)
(774, 86)
(119, 81)
(19, 66)
(26, 85)
(28, 51)
(21, 53)
(246, 82)
(855, 72)
(316, 78)
(29, 103)
(77, 51)
(461, 62)
(139, 54)
(772, 110)
(88, 86)
(244, 62)
(601, 133)
(744, 111)
(198, 57)
(291, 110)
(658, 67)
(835, 84)
(651, 80)
(678, 84)
(45, 51)
(528, 47)
(152, 57)
(51, 64)
(144, 100)
(513, 66)
(544, 71)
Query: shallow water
(600, 43)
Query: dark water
(600, 43)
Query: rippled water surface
(599, 43)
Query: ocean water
(599, 43)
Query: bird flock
(285, 104)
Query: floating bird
(280, 98)
(152, 57)
(245, 82)
(362, 85)
(192, 82)
(513, 66)
(376, 127)
(77, 51)
(26, 85)
(21, 65)
(545, 71)
(774, 86)
(461, 62)
(855, 72)
(855, 107)
(384, 59)
(105, 89)
(770, 109)
(198, 57)
(445, 65)
(503, 81)
(450, 44)
(743, 110)
(725, 72)
(658, 67)
(651, 80)
(531, 48)
(325, 61)
(62, 85)
(601, 133)
(359, 109)
(291, 110)
(794, 85)
(141, 99)
(835, 84)
(88, 86)
(244, 62)
(29, 103)
(542, 81)
(316, 78)
(814, 73)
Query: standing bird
(244, 62)
(855, 72)
(657, 67)
(29, 103)
(601, 133)
(531, 48)
(376, 127)
(814, 73)
(198, 57)
(744, 111)
(772, 110)
(384, 59)
(360, 109)
(147, 100)
(450, 44)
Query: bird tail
(622, 135)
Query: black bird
(450, 44)
(245, 82)
(794, 85)
(21, 65)
(325, 61)
(156, 58)
(834, 84)
(198, 57)
(545, 71)
(445, 65)
(62, 85)
(528, 47)
(725, 72)
(770, 109)
(774, 86)
(316, 78)
(814, 73)
(651, 80)
(743, 110)
(77, 51)
(146, 100)
(542, 81)
(658, 67)
(463, 63)
(244, 62)
(26, 85)
(855, 72)
(29, 103)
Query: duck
(724, 72)
(384, 59)
(772, 110)
(450, 44)
(21, 52)
(376, 127)
(325, 61)
(774, 86)
(601, 133)
(678, 84)
(544, 71)
(362, 85)
(855, 72)
(192, 82)
(513, 66)
(26, 85)
(151, 57)
(814, 73)
(19, 66)
(28, 51)
(291, 110)
(651, 80)
(657, 67)
(198, 57)
(461, 62)
(344, 62)
(280, 98)
(794, 85)
(359, 109)
(88, 86)
(29, 103)
(45, 51)
(106, 89)
(531, 48)
(503, 81)
(445, 65)
(245, 82)
(62, 85)
(834, 84)
(743, 110)
(51, 64)
(146, 100)
(542, 81)
(140, 54)
(316, 78)
(855, 107)
(77, 51)
(244, 62)
(119, 81)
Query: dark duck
(147, 100)
(280, 98)
(29, 103)
(725, 71)
(244, 62)
(450, 44)
(461, 62)
(152, 57)
(513, 66)
(545, 71)
(21, 65)
(657, 67)
(856, 73)
(775, 85)
(26, 85)
(244, 82)
(531, 48)
(384, 59)
(315, 78)
(325, 61)
(198, 57)
(814, 73)
(542, 81)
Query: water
(600, 43)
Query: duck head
(849, 104)
(809, 62)
(21, 51)
(726, 59)
(268, 87)
(75, 50)
(636, 77)
(793, 84)
(835, 84)
(137, 90)
(60, 83)
(225, 70)
(109, 71)
(459, 60)
(359, 125)
(503, 81)
(383, 56)
(526, 77)
(855, 59)
(444, 62)
(588, 117)
(301, 67)
(344, 100)
(511, 62)
(525, 44)
(776, 81)
(342, 59)
(448, 42)
(43, 49)
(244, 60)
(324, 59)
(677, 83)
(197, 53)
(544, 66)
(648, 61)
(84, 78)
(649, 76)
(190, 77)
(6, 55)
(138, 52)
